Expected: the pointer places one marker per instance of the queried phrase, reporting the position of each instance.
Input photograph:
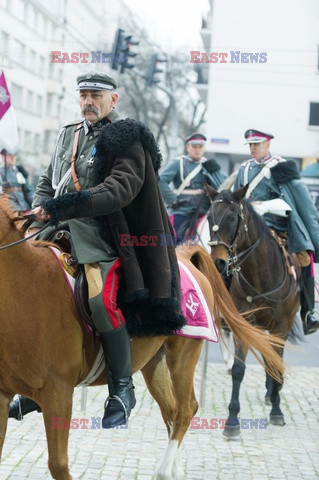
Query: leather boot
(307, 302)
(22, 406)
(121, 400)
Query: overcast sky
(171, 22)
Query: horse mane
(6, 208)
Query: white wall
(272, 96)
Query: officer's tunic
(302, 223)
(84, 231)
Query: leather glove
(6, 186)
(177, 204)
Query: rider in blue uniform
(187, 200)
(282, 180)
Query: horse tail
(255, 339)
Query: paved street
(282, 453)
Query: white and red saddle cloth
(200, 322)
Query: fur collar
(118, 136)
(285, 172)
(211, 165)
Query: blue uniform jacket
(285, 183)
(210, 173)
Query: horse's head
(227, 224)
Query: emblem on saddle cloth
(199, 320)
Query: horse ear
(240, 193)
(211, 192)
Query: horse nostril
(220, 265)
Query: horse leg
(225, 346)
(4, 411)
(57, 409)
(232, 427)
(157, 379)
(182, 356)
(276, 416)
(268, 385)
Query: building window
(18, 51)
(30, 101)
(314, 114)
(37, 143)
(42, 66)
(4, 45)
(27, 141)
(32, 60)
(17, 95)
(39, 105)
(49, 108)
(19, 8)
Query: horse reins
(25, 239)
(233, 258)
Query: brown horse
(255, 271)
(46, 352)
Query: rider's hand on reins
(41, 215)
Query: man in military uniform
(272, 177)
(187, 201)
(102, 180)
(14, 182)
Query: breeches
(103, 282)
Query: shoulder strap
(185, 183)
(73, 158)
(265, 172)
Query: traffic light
(121, 53)
(153, 70)
(127, 54)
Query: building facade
(263, 73)
(42, 90)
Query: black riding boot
(117, 352)
(307, 302)
(26, 406)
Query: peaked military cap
(196, 139)
(255, 136)
(96, 81)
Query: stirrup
(115, 397)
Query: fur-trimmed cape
(285, 172)
(125, 177)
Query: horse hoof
(267, 400)
(231, 431)
(277, 420)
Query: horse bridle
(234, 260)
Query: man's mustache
(91, 109)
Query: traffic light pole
(174, 124)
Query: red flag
(8, 124)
